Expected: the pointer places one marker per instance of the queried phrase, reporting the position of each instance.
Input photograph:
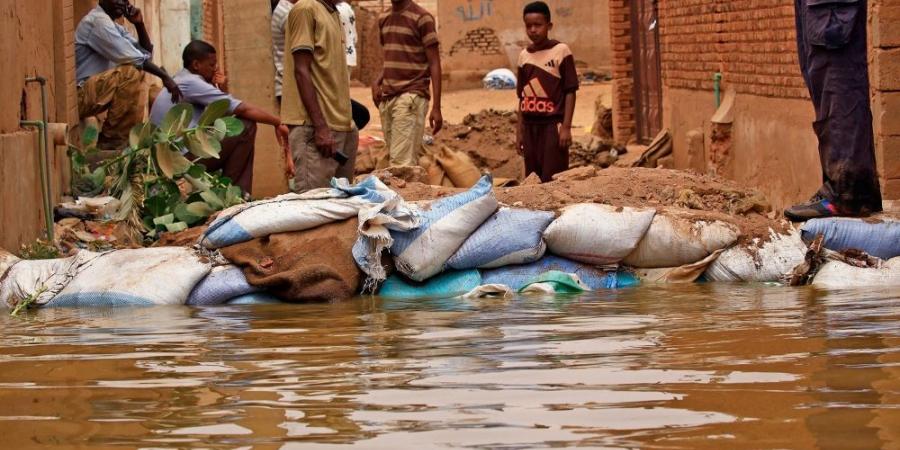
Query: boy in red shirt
(547, 82)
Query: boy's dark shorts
(542, 153)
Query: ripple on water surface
(707, 366)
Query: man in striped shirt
(279, 18)
(412, 61)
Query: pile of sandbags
(334, 243)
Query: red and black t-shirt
(545, 77)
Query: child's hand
(565, 137)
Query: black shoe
(812, 210)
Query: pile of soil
(489, 138)
(706, 197)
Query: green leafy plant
(86, 182)
(160, 189)
(39, 249)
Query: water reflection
(706, 366)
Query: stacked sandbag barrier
(334, 243)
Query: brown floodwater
(699, 366)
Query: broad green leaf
(233, 126)
(220, 129)
(98, 176)
(164, 220)
(203, 146)
(79, 159)
(89, 136)
(233, 196)
(171, 162)
(212, 199)
(200, 209)
(151, 234)
(184, 215)
(156, 205)
(176, 227)
(213, 111)
(177, 119)
(196, 171)
(134, 136)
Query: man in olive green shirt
(316, 96)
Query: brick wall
(622, 73)
(885, 74)
(751, 42)
(481, 41)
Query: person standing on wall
(412, 61)
(831, 39)
(109, 70)
(316, 96)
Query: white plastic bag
(597, 234)
(675, 239)
(767, 262)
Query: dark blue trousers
(831, 39)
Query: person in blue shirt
(109, 69)
(201, 83)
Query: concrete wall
(752, 43)
(33, 35)
(480, 35)
(771, 145)
(251, 74)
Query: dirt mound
(707, 197)
(489, 138)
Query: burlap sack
(304, 266)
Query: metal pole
(43, 156)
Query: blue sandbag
(447, 284)
(517, 277)
(881, 239)
(259, 298)
(510, 236)
(221, 285)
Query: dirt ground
(456, 105)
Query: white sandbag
(294, 212)
(761, 262)
(40, 280)
(7, 260)
(597, 234)
(445, 225)
(510, 236)
(839, 275)
(146, 276)
(675, 239)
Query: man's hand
(565, 136)
(282, 133)
(134, 15)
(220, 81)
(436, 119)
(324, 140)
(173, 89)
(377, 94)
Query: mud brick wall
(752, 43)
(622, 70)
(885, 74)
(481, 41)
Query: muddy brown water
(701, 366)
